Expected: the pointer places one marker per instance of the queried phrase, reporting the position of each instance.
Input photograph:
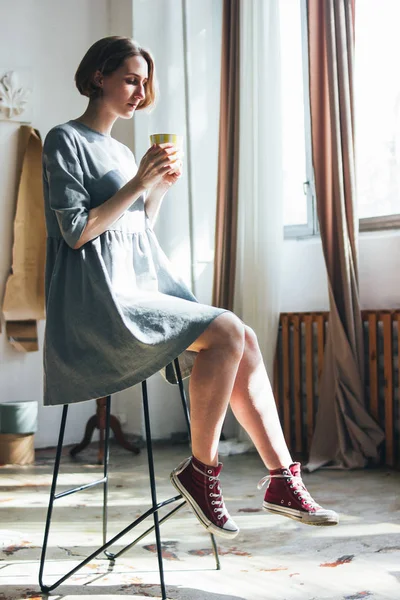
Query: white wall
(49, 38)
(304, 274)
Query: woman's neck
(97, 118)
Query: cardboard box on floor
(17, 449)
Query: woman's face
(124, 89)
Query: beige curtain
(346, 436)
(228, 160)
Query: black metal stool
(104, 480)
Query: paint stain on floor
(208, 551)
(166, 553)
(342, 560)
(10, 550)
(358, 596)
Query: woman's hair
(107, 55)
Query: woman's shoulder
(60, 136)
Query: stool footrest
(145, 533)
(80, 488)
(148, 513)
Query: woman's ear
(98, 79)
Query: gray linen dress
(116, 310)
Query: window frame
(311, 229)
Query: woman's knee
(232, 331)
(251, 351)
(250, 339)
(227, 331)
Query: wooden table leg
(99, 421)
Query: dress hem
(144, 373)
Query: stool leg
(105, 467)
(153, 487)
(187, 418)
(182, 394)
(52, 495)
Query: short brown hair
(107, 55)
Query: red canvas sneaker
(199, 485)
(287, 495)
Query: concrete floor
(272, 558)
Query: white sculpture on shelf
(13, 99)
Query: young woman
(117, 312)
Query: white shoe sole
(306, 518)
(207, 524)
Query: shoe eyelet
(289, 504)
(282, 502)
(209, 479)
(212, 501)
(211, 487)
(209, 472)
(215, 510)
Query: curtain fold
(228, 159)
(345, 435)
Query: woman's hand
(157, 166)
(170, 177)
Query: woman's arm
(101, 217)
(155, 163)
(153, 202)
(156, 194)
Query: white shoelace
(303, 493)
(219, 503)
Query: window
(298, 203)
(377, 112)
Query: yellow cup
(171, 138)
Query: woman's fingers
(159, 160)
(169, 160)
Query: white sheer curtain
(260, 229)
(188, 104)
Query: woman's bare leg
(220, 350)
(253, 405)
(230, 368)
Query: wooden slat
(275, 383)
(298, 418)
(308, 320)
(388, 387)
(321, 343)
(286, 380)
(373, 366)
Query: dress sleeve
(68, 196)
